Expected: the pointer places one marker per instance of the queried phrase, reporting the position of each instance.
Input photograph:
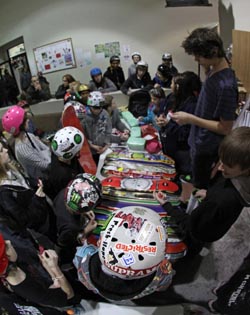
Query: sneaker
(211, 307)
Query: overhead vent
(187, 3)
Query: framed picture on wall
(55, 56)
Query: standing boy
(215, 110)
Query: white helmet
(133, 244)
(67, 142)
(136, 53)
(78, 107)
(96, 99)
(142, 64)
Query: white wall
(146, 25)
(240, 10)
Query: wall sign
(55, 56)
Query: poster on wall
(55, 56)
(107, 50)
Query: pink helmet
(12, 119)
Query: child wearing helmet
(75, 218)
(115, 72)
(31, 153)
(120, 132)
(136, 57)
(84, 93)
(66, 144)
(141, 79)
(167, 60)
(100, 83)
(97, 125)
(129, 262)
(163, 76)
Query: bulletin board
(55, 56)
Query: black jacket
(115, 75)
(213, 217)
(134, 83)
(59, 174)
(61, 91)
(24, 209)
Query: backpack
(138, 103)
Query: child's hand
(49, 259)
(124, 136)
(40, 192)
(140, 118)
(160, 197)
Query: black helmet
(164, 71)
(167, 56)
(114, 58)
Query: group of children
(48, 209)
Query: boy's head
(114, 61)
(133, 244)
(84, 92)
(83, 194)
(141, 68)
(96, 74)
(167, 59)
(67, 143)
(164, 72)
(234, 153)
(204, 42)
(136, 57)
(95, 102)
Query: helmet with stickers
(83, 193)
(67, 142)
(12, 119)
(133, 244)
(96, 99)
(78, 107)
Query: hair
(204, 42)
(108, 101)
(157, 92)
(189, 84)
(69, 78)
(235, 147)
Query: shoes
(211, 307)
(215, 290)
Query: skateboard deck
(124, 154)
(140, 184)
(137, 169)
(69, 118)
